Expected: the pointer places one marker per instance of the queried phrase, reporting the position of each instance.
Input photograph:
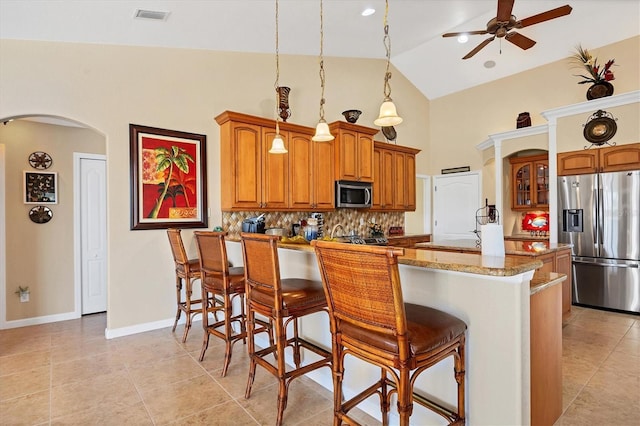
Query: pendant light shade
(388, 114)
(322, 133)
(277, 146)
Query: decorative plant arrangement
(599, 76)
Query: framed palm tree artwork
(168, 178)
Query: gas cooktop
(376, 241)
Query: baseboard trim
(40, 320)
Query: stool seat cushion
(427, 329)
(194, 265)
(236, 281)
(297, 293)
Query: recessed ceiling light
(368, 11)
(490, 64)
(463, 38)
(151, 14)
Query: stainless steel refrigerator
(600, 215)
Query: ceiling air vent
(151, 14)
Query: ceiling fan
(503, 24)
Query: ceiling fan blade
(504, 10)
(479, 47)
(519, 40)
(545, 16)
(479, 32)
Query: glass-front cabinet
(530, 182)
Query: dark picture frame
(168, 178)
(40, 187)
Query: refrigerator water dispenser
(572, 220)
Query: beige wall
(462, 120)
(40, 256)
(108, 87)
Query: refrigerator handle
(600, 216)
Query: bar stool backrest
(177, 250)
(362, 285)
(212, 251)
(262, 271)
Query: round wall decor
(600, 128)
(40, 160)
(40, 214)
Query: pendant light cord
(322, 76)
(277, 83)
(387, 44)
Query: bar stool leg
(187, 324)
(458, 365)
(405, 396)
(178, 290)
(252, 349)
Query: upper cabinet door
(620, 158)
(365, 158)
(246, 162)
(530, 182)
(348, 155)
(577, 163)
(275, 173)
(323, 183)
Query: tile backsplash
(350, 219)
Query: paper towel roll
(492, 239)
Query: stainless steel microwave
(356, 195)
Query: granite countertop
(543, 280)
(460, 262)
(521, 248)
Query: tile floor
(68, 373)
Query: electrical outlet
(24, 297)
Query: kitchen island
(555, 257)
(491, 295)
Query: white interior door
(93, 235)
(456, 198)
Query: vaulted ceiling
(418, 50)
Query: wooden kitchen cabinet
(560, 262)
(312, 187)
(253, 179)
(353, 151)
(529, 182)
(394, 182)
(610, 159)
(383, 186)
(563, 266)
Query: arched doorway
(42, 256)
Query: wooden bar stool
(219, 281)
(370, 321)
(283, 302)
(189, 271)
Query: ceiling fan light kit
(504, 23)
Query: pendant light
(322, 129)
(277, 146)
(388, 114)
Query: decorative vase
(351, 115)
(283, 102)
(600, 90)
(524, 120)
